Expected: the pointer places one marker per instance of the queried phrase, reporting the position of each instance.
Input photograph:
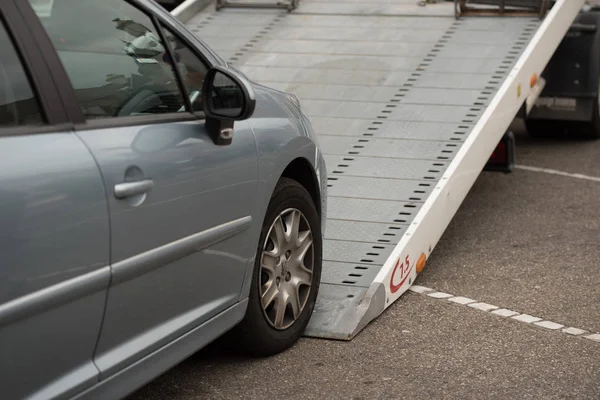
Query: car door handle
(128, 189)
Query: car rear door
(180, 205)
(54, 229)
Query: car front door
(180, 205)
(54, 230)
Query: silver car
(152, 199)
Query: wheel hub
(282, 271)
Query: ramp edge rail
(189, 8)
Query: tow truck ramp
(408, 103)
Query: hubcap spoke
(268, 263)
(278, 237)
(293, 221)
(270, 294)
(280, 306)
(294, 301)
(304, 246)
(302, 276)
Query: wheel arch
(301, 170)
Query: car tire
(257, 334)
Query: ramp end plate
(343, 311)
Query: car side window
(191, 68)
(114, 57)
(18, 104)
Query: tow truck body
(410, 101)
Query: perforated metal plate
(486, 66)
(445, 97)
(355, 209)
(397, 129)
(377, 188)
(326, 61)
(390, 148)
(369, 232)
(325, 76)
(381, 7)
(343, 47)
(439, 80)
(341, 91)
(351, 274)
(470, 51)
(303, 19)
(393, 90)
(393, 168)
(365, 253)
(390, 34)
(391, 111)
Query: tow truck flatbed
(408, 103)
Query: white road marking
(595, 337)
(461, 300)
(528, 319)
(503, 312)
(483, 306)
(549, 325)
(574, 331)
(439, 295)
(420, 289)
(557, 172)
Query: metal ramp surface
(394, 90)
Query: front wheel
(580, 130)
(287, 273)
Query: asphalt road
(526, 241)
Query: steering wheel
(146, 98)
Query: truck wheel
(287, 273)
(588, 130)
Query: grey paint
(53, 271)
(54, 296)
(99, 293)
(166, 281)
(156, 258)
(128, 379)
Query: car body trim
(150, 260)
(125, 381)
(54, 296)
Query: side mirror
(226, 98)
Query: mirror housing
(226, 97)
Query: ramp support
(289, 5)
(509, 8)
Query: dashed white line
(528, 319)
(439, 295)
(595, 337)
(574, 331)
(557, 172)
(483, 306)
(461, 300)
(503, 312)
(549, 325)
(420, 289)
